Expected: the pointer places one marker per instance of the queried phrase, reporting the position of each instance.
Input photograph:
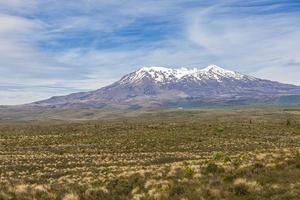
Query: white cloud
(37, 59)
(17, 3)
(251, 44)
(16, 25)
(282, 74)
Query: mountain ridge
(180, 73)
(161, 87)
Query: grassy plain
(233, 153)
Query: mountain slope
(160, 87)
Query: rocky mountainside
(167, 87)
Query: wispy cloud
(56, 47)
(249, 42)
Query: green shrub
(296, 158)
(241, 189)
(288, 122)
(220, 129)
(211, 167)
(189, 172)
(120, 187)
(227, 159)
(218, 156)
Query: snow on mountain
(167, 75)
(162, 87)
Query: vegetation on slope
(186, 154)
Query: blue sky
(55, 47)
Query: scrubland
(180, 154)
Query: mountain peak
(217, 69)
(214, 67)
(153, 68)
(221, 72)
(185, 70)
(167, 75)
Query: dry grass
(219, 156)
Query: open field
(234, 153)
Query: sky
(56, 47)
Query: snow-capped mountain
(164, 75)
(163, 87)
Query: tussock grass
(190, 155)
